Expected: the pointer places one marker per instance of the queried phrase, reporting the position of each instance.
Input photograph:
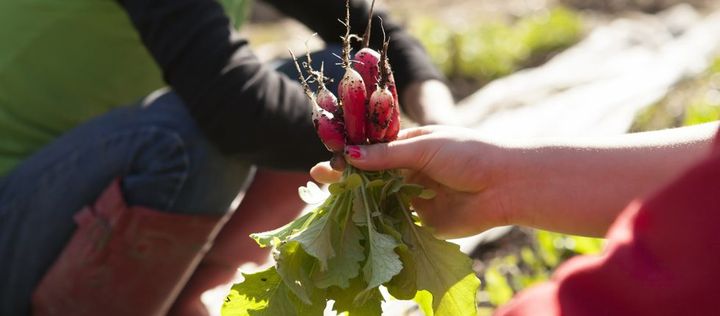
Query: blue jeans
(156, 149)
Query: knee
(176, 169)
(158, 169)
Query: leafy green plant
(550, 31)
(362, 237)
(703, 111)
(705, 105)
(693, 101)
(488, 50)
(529, 264)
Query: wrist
(502, 177)
(511, 183)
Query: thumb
(409, 153)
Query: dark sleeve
(408, 58)
(244, 107)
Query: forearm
(244, 107)
(579, 186)
(429, 102)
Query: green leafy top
(362, 237)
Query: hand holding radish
(364, 235)
(463, 170)
(569, 185)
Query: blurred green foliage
(705, 105)
(703, 111)
(694, 101)
(487, 50)
(504, 276)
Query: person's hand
(429, 102)
(574, 185)
(460, 168)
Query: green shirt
(64, 62)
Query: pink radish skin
(366, 60)
(393, 88)
(353, 98)
(380, 109)
(330, 131)
(394, 126)
(388, 80)
(366, 64)
(327, 101)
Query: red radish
(393, 88)
(394, 127)
(366, 60)
(352, 92)
(366, 63)
(330, 131)
(388, 80)
(353, 98)
(380, 110)
(382, 103)
(385, 66)
(327, 101)
(374, 68)
(325, 98)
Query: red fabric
(123, 260)
(663, 258)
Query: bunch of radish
(367, 110)
(365, 234)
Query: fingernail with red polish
(354, 152)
